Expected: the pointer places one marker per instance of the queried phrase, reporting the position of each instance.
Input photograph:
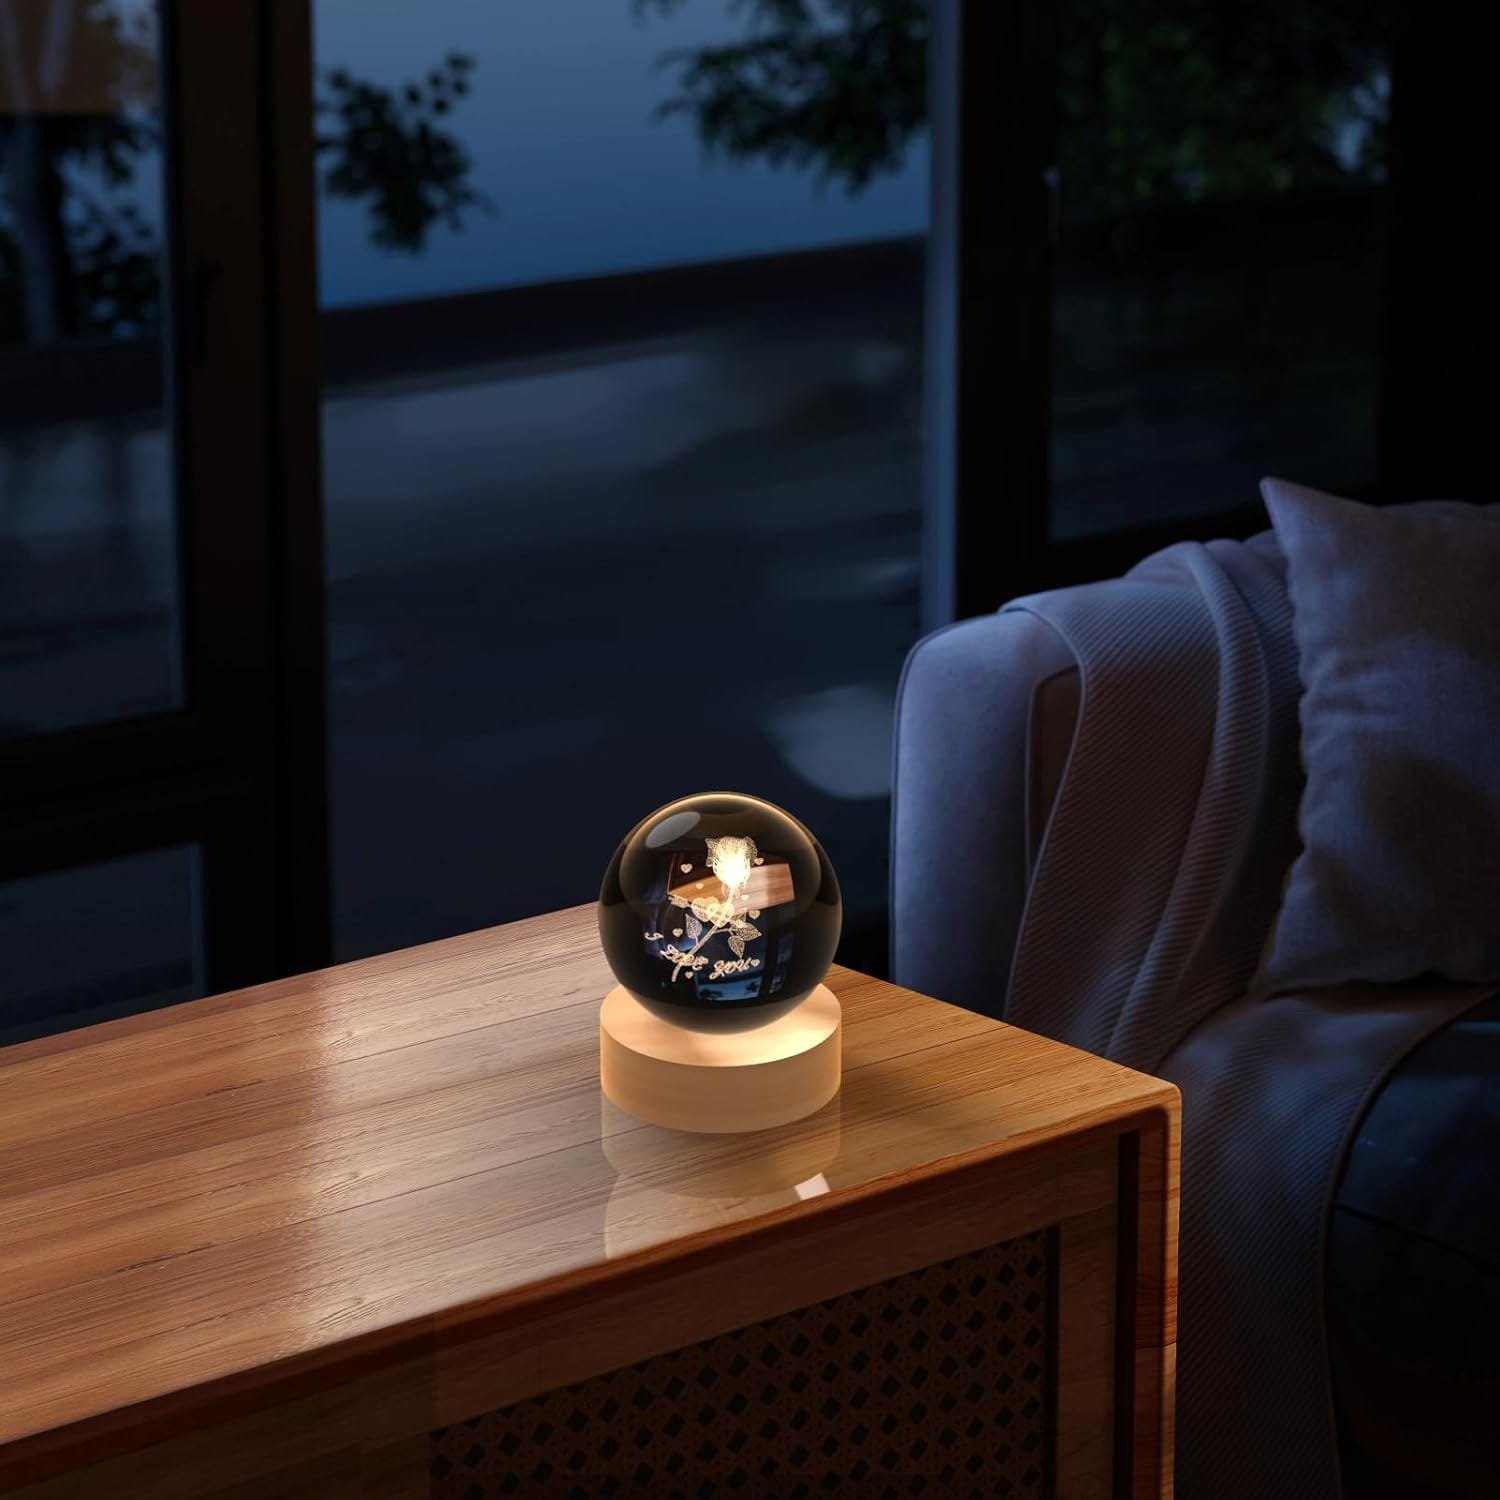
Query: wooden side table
(373, 1231)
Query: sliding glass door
(146, 574)
(90, 607)
(1221, 184)
(621, 423)
(1162, 270)
(601, 399)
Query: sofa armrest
(968, 746)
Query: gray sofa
(1407, 1211)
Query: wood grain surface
(205, 1205)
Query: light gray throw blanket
(1157, 881)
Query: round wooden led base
(744, 1070)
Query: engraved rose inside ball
(719, 900)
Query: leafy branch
(1178, 101)
(838, 85)
(387, 149)
(78, 258)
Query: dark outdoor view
(1216, 315)
(590, 548)
(88, 595)
(621, 345)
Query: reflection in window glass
(1222, 170)
(97, 941)
(621, 443)
(87, 546)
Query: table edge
(47, 1452)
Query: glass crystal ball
(717, 901)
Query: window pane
(101, 940)
(1222, 170)
(621, 439)
(88, 594)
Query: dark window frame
(239, 770)
(992, 83)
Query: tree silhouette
(1181, 100)
(1188, 100)
(835, 85)
(388, 151)
(60, 235)
(78, 258)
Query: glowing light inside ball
(719, 900)
(730, 859)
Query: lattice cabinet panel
(936, 1382)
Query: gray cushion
(1396, 613)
